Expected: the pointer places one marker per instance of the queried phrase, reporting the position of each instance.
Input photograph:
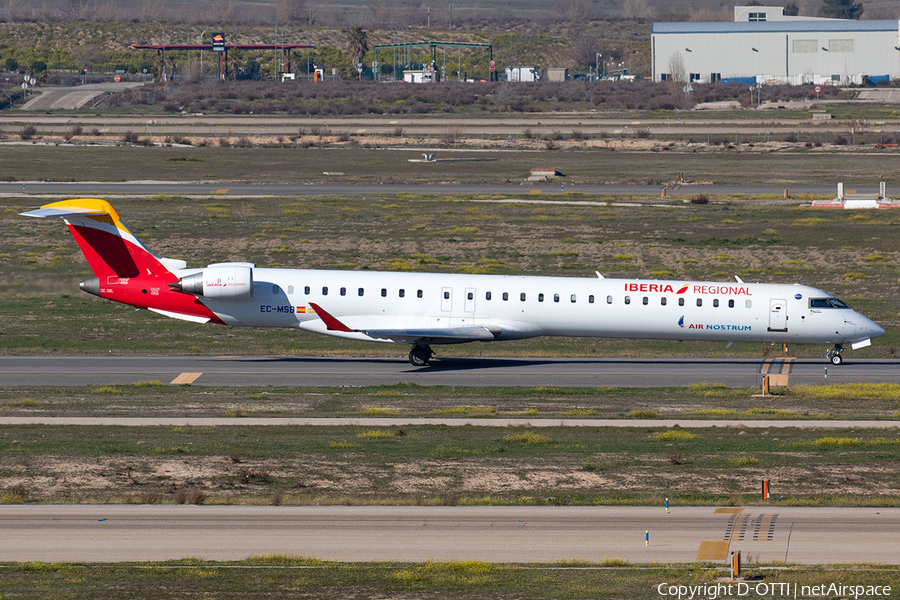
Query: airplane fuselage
(524, 306)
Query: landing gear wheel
(420, 355)
(834, 355)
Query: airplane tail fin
(108, 245)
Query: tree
(584, 48)
(841, 9)
(792, 10)
(358, 45)
(11, 64)
(288, 11)
(77, 10)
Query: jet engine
(220, 281)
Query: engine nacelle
(221, 282)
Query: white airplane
(423, 309)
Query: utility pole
(164, 46)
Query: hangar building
(765, 45)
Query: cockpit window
(826, 303)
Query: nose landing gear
(834, 354)
(420, 355)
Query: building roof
(833, 26)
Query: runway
(111, 190)
(488, 372)
(116, 533)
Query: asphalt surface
(652, 193)
(70, 97)
(490, 372)
(116, 533)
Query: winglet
(330, 322)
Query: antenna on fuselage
(598, 274)
(739, 280)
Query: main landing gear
(420, 355)
(834, 355)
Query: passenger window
(646, 300)
(699, 301)
(487, 295)
(540, 297)
(591, 299)
(662, 301)
(627, 299)
(325, 291)
(275, 290)
(446, 295)
(556, 297)
(522, 296)
(419, 294)
(748, 304)
(731, 303)
(505, 296)
(715, 303)
(470, 296)
(384, 292)
(361, 291)
(402, 292)
(609, 299)
(290, 289)
(681, 302)
(343, 291)
(306, 290)
(572, 299)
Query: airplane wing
(454, 335)
(437, 335)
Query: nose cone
(867, 328)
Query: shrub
(643, 413)
(130, 137)
(528, 437)
(27, 132)
(674, 435)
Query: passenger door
(777, 315)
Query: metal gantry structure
(433, 46)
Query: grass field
(290, 577)
(355, 164)
(441, 465)
(698, 401)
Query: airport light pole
(164, 46)
(201, 49)
(282, 44)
